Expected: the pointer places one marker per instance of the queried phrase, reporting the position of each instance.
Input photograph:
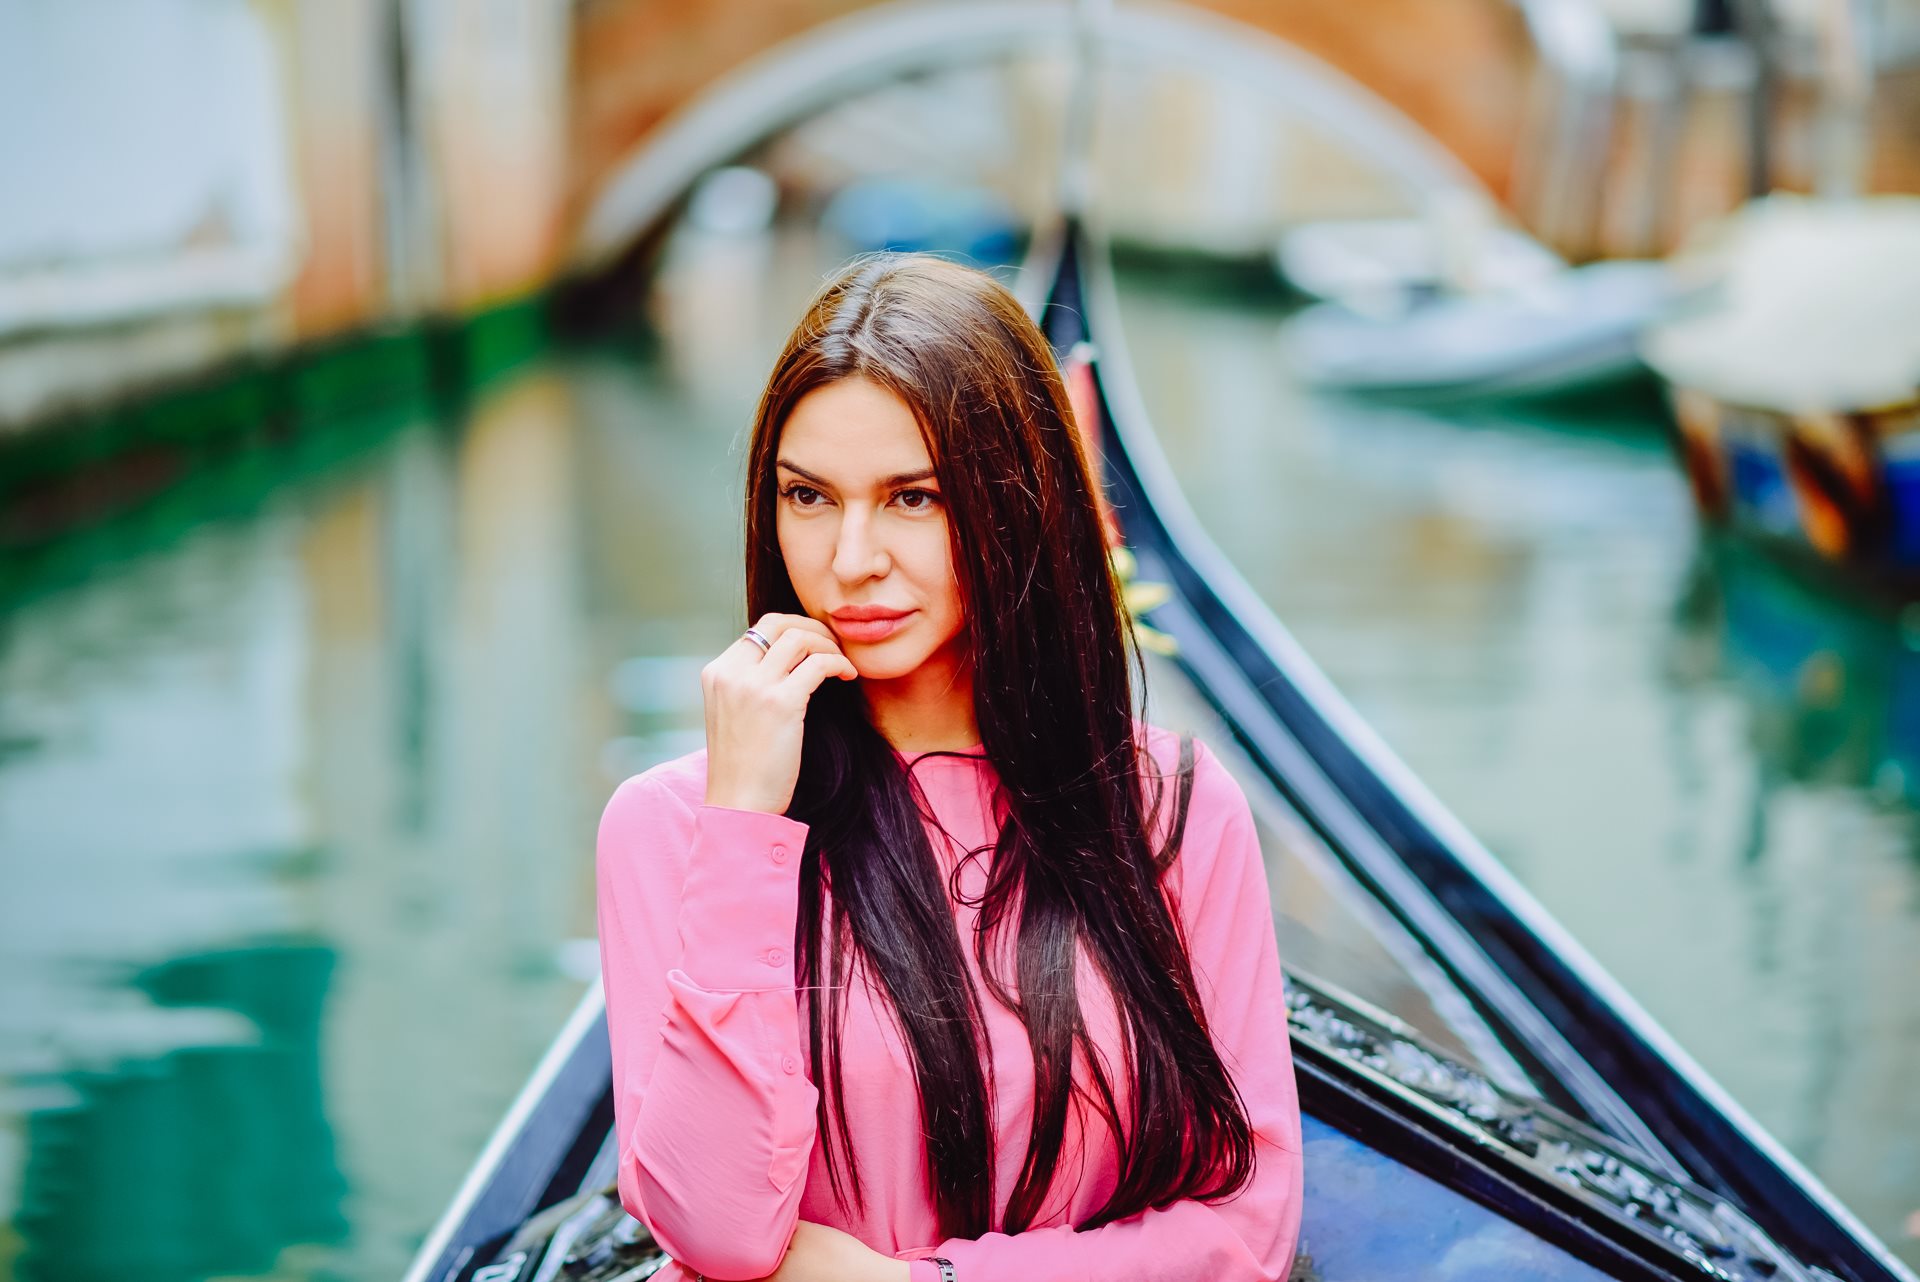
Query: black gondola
(1611, 1156)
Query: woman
(936, 965)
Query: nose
(860, 552)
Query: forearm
(717, 1150)
(715, 1117)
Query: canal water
(299, 771)
(1704, 768)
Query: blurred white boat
(1379, 265)
(1569, 329)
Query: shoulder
(1219, 844)
(662, 796)
(1215, 791)
(683, 777)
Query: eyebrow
(886, 482)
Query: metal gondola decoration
(1629, 1165)
(1380, 1083)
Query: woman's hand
(820, 1254)
(757, 707)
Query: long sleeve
(714, 1117)
(1224, 904)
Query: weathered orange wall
(492, 100)
(635, 61)
(331, 56)
(1457, 68)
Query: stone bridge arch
(659, 89)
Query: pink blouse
(718, 1150)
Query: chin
(885, 667)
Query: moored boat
(1535, 1123)
(1570, 331)
(1796, 394)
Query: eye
(932, 500)
(801, 495)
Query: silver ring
(754, 636)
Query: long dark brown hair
(1075, 866)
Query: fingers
(773, 627)
(794, 645)
(796, 638)
(816, 668)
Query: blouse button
(776, 957)
(779, 854)
(790, 1063)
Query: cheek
(937, 571)
(798, 554)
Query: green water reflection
(199, 1160)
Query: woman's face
(863, 530)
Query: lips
(868, 622)
(866, 613)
